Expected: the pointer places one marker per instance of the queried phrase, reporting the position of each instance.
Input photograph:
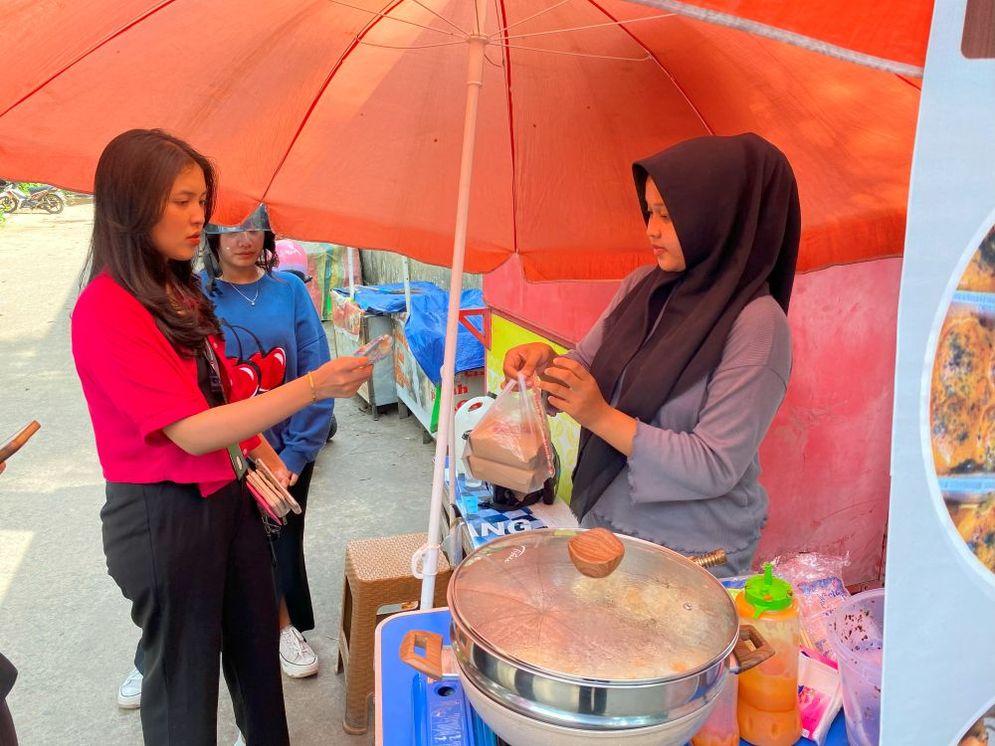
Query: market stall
(362, 314)
(682, 78)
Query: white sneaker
(297, 659)
(129, 694)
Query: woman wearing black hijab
(677, 382)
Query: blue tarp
(426, 332)
(388, 298)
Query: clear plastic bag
(510, 446)
(818, 583)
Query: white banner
(939, 649)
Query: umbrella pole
(475, 78)
(406, 270)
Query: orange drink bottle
(768, 694)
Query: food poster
(414, 387)
(939, 647)
(982, 732)
(962, 406)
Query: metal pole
(474, 82)
(350, 253)
(406, 270)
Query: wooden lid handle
(596, 552)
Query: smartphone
(15, 443)
(376, 350)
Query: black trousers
(291, 570)
(198, 574)
(288, 548)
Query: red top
(135, 384)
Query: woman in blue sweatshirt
(272, 334)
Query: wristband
(314, 392)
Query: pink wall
(826, 457)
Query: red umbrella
(360, 144)
(347, 118)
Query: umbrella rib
(491, 62)
(590, 26)
(420, 46)
(441, 17)
(663, 68)
(578, 54)
(106, 40)
(381, 14)
(503, 14)
(529, 18)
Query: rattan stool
(378, 583)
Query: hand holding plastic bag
(510, 446)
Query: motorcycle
(8, 200)
(46, 198)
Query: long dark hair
(134, 177)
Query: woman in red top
(182, 537)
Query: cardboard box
(505, 444)
(514, 475)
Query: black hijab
(734, 205)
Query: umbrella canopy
(347, 119)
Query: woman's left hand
(280, 471)
(275, 464)
(264, 452)
(574, 391)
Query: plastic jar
(768, 694)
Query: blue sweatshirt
(278, 339)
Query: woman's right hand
(528, 359)
(341, 378)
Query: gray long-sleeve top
(692, 481)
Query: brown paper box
(513, 477)
(491, 445)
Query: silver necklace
(251, 301)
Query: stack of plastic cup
(857, 635)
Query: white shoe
(129, 694)
(297, 659)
